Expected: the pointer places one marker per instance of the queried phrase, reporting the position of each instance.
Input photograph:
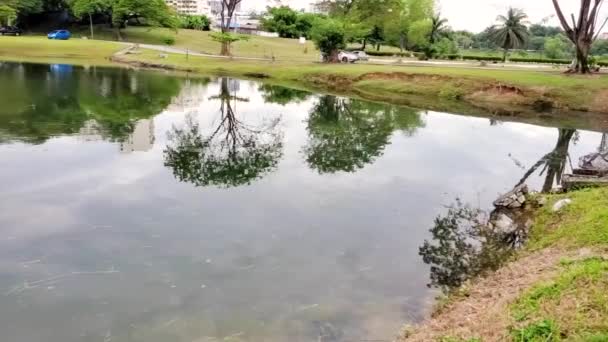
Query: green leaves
(329, 36)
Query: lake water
(141, 206)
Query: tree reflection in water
(346, 134)
(462, 247)
(234, 154)
(553, 163)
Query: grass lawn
(75, 51)
(379, 82)
(200, 41)
(577, 92)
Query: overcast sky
(472, 15)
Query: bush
(195, 22)
(328, 36)
(169, 40)
(482, 58)
(541, 60)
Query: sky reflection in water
(144, 207)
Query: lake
(144, 206)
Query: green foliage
(444, 47)
(282, 95)
(81, 8)
(195, 22)
(289, 23)
(227, 37)
(234, 154)
(543, 331)
(104, 98)
(512, 32)
(155, 12)
(169, 40)
(346, 135)
(419, 32)
(24, 7)
(329, 36)
(556, 47)
(600, 47)
(7, 14)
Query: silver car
(348, 57)
(362, 55)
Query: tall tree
(7, 14)
(409, 20)
(82, 8)
(511, 32)
(438, 28)
(155, 12)
(226, 17)
(583, 31)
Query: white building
(142, 138)
(191, 7)
(604, 36)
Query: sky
(472, 15)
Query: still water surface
(140, 206)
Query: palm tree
(438, 27)
(512, 31)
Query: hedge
(541, 60)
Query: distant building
(191, 7)
(142, 138)
(604, 36)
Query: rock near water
(514, 199)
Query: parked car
(60, 34)
(347, 57)
(10, 30)
(362, 55)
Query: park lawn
(200, 41)
(75, 51)
(392, 83)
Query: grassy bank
(556, 290)
(79, 52)
(439, 88)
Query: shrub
(482, 58)
(329, 37)
(169, 40)
(195, 22)
(541, 60)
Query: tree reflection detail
(233, 154)
(345, 135)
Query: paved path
(170, 49)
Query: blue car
(60, 34)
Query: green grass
(575, 92)
(573, 307)
(583, 223)
(75, 51)
(200, 41)
(293, 66)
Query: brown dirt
(600, 102)
(484, 313)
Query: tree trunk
(118, 33)
(582, 58)
(402, 42)
(504, 55)
(364, 44)
(91, 24)
(378, 47)
(225, 49)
